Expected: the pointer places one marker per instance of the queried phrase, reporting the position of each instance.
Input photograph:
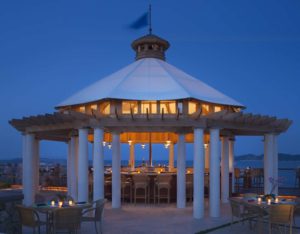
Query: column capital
(116, 132)
(232, 138)
(83, 128)
(73, 133)
(97, 127)
(199, 128)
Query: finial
(150, 23)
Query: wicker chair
(257, 177)
(296, 210)
(281, 216)
(95, 214)
(29, 217)
(255, 214)
(67, 219)
(163, 182)
(242, 213)
(237, 178)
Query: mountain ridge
(244, 157)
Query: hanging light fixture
(109, 145)
(104, 143)
(167, 144)
(143, 146)
(205, 146)
(129, 142)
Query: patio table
(264, 206)
(48, 210)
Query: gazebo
(149, 101)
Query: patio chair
(255, 214)
(257, 177)
(297, 178)
(281, 216)
(29, 217)
(95, 214)
(163, 182)
(240, 212)
(296, 209)
(141, 182)
(67, 219)
(237, 178)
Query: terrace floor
(164, 218)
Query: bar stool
(162, 182)
(141, 182)
(126, 188)
(189, 186)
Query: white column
(198, 203)
(69, 158)
(72, 167)
(116, 168)
(98, 164)
(75, 172)
(36, 162)
(206, 152)
(225, 170)
(214, 174)
(275, 162)
(83, 178)
(24, 154)
(28, 173)
(171, 156)
(268, 162)
(231, 164)
(132, 157)
(181, 193)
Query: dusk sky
(249, 50)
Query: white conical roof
(149, 79)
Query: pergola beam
(245, 124)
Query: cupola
(150, 46)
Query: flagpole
(150, 24)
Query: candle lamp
(276, 200)
(70, 202)
(269, 201)
(259, 200)
(52, 203)
(60, 203)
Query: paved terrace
(166, 219)
(163, 218)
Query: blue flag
(141, 22)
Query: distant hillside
(244, 157)
(43, 160)
(282, 157)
